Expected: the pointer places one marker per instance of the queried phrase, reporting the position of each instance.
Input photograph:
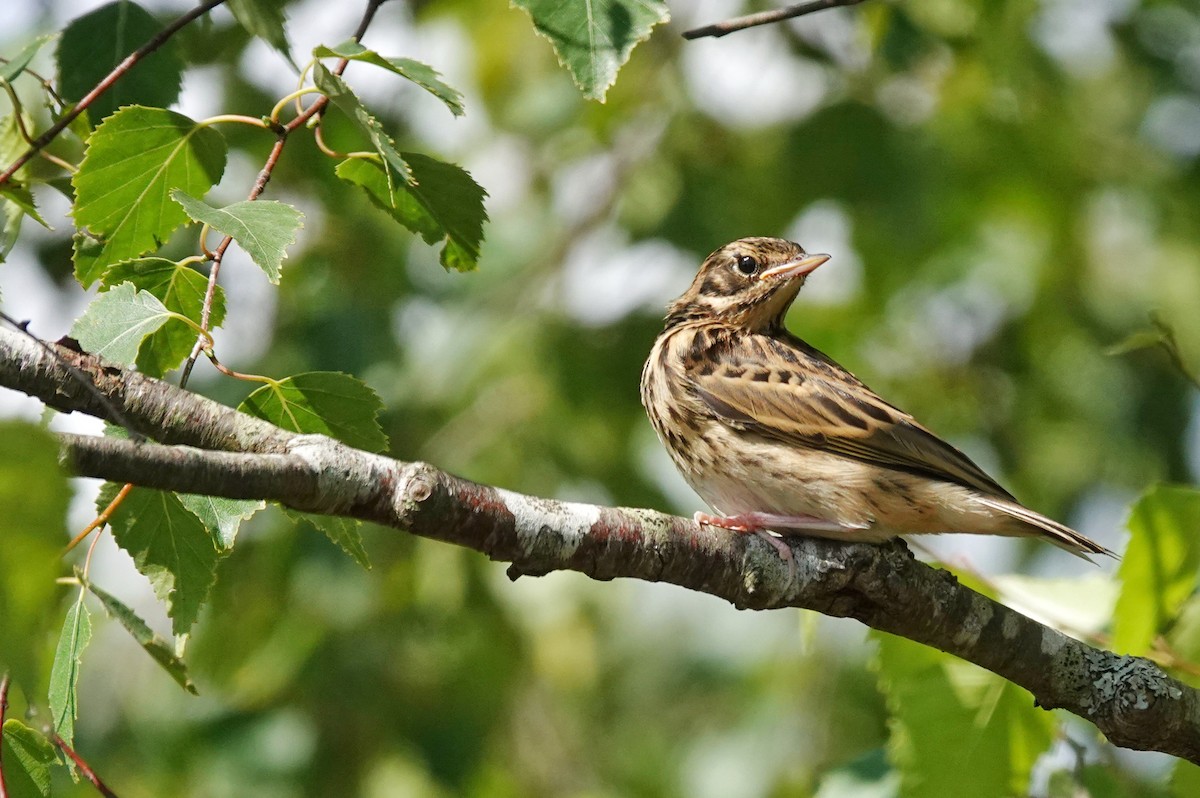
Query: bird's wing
(784, 389)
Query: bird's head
(749, 283)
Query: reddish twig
(4, 682)
(101, 519)
(260, 184)
(120, 69)
(720, 29)
(87, 772)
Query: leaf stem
(237, 118)
(296, 95)
(237, 375)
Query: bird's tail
(1060, 535)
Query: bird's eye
(746, 265)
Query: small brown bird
(775, 436)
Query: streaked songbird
(776, 437)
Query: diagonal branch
(128, 63)
(1133, 701)
(719, 29)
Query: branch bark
(205, 447)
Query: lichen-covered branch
(212, 449)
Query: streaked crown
(749, 283)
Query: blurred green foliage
(1008, 189)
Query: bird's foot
(753, 524)
(757, 522)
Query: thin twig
(720, 29)
(260, 184)
(47, 84)
(101, 519)
(87, 772)
(158, 40)
(4, 682)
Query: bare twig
(101, 519)
(83, 766)
(216, 450)
(104, 85)
(260, 184)
(720, 29)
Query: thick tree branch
(1130, 699)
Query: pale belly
(870, 502)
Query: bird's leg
(761, 524)
(752, 524)
(755, 522)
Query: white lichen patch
(1126, 683)
(539, 518)
(1010, 626)
(973, 625)
(1052, 642)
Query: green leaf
(955, 728)
(16, 65)
(324, 403)
(423, 75)
(593, 38)
(117, 320)
(264, 19)
(96, 42)
(64, 676)
(345, 100)
(12, 143)
(221, 516)
(22, 198)
(181, 290)
(121, 189)
(159, 649)
(443, 204)
(34, 494)
(1158, 571)
(28, 757)
(10, 227)
(263, 228)
(170, 545)
(346, 533)
(1142, 339)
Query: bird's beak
(794, 268)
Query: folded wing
(783, 389)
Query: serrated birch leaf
(170, 545)
(263, 229)
(158, 649)
(322, 402)
(421, 74)
(132, 161)
(64, 676)
(181, 290)
(116, 322)
(593, 38)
